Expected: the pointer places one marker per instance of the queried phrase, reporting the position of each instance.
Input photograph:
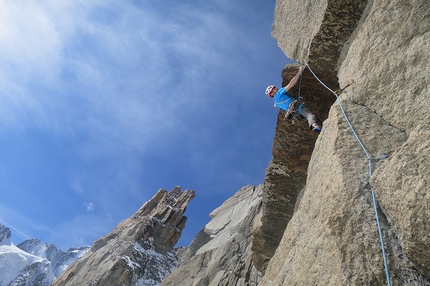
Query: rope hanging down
(299, 97)
(381, 239)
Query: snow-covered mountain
(32, 262)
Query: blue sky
(103, 103)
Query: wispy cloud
(125, 74)
(89, 207)
(126, 88)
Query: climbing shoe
(316, 128)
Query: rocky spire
(139, 249)
(221, 252)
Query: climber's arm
(294, 80)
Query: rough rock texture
(332, 238)
(286, 173)
(327, 25)
(139, 250)
(317, 30)
(220, 254)
(403, 185)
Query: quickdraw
(339, 91)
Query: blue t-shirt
(283, 99)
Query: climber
(292, 106)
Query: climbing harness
(293, 112)
(381, 239)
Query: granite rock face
(324, 28)
(221, 252)
(403, 185)
(331, 237)
(139, 251)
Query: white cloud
(29, 39)
(89, 207)
(117, 80)
(114, 78)
(125, 75)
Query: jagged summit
(139, 251)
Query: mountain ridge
(32, 262)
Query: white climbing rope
(381, 239)
(299, 96)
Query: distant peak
(4, 235)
